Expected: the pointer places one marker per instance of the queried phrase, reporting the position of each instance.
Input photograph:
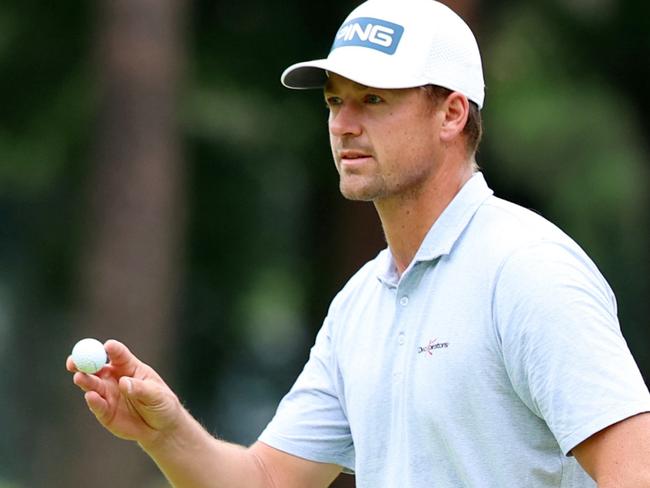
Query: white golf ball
(89, 355)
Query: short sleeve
(562, 344)
(310, 422)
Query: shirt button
(404, 301)
(401, 339)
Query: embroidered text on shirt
(433, 345)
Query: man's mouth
(352, 155)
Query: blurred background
(158, 185)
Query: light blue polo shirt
(495, 353)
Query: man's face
(384, 142)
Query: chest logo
(432, 346)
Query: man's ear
(456, 110)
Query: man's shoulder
(509, 226)
(531, 248)
(506, 214)
(501, 230)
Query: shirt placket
(401, 333)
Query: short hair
(473, 130)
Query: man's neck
(406, 220)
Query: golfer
(480, 349)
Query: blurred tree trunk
(130, 272)
(359, 235)
(469, 10)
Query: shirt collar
(446, 230)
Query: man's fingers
(69, 365)
(121, 358)
(97, 405)
(89, 382)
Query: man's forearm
(192, 458)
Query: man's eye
(332, 102)
(373, 99)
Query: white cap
(399, 44)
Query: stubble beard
(377, 187)
(361, 188)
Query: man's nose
(345, 120)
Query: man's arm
(619, 455)
(132, 402)
(193, 458)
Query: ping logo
(376, 34)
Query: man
(480, 349)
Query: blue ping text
(376, 34)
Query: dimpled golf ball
(89, 355)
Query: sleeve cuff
(570, 441)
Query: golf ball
(89, 355)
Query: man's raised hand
(128, 397)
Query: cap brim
(314, 74)
(305, 75)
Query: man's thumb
(144, 392)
